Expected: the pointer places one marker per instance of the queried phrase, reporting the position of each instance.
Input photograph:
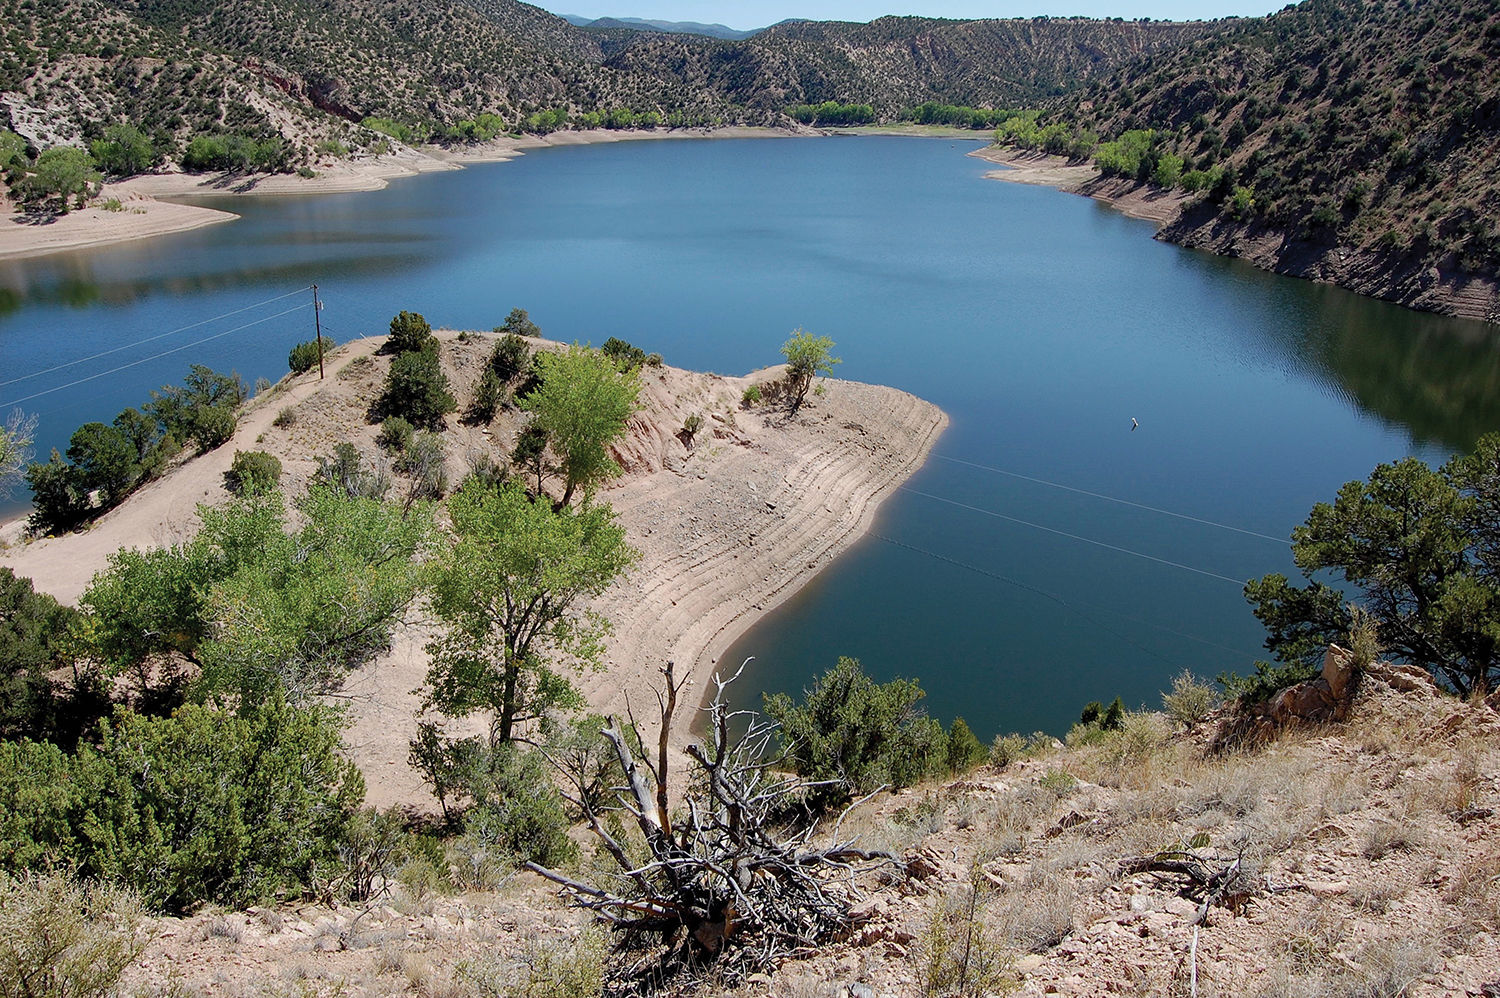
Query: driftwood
(727, 881)
(1205, 878)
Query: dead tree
(727, 880)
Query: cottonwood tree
(1421, 548)
(508, 592)
(582, 403)
(807, 356)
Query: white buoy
(1134, 425)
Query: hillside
(1341, 140)
(1368, 856)
(349, 75)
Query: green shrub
(285, 418)
(510, 357)
(395, 435)
(416, 389)
(750, 396)
(199, 806)
(304, 356)
(410, 333)
(253, 471)
(859, 733)
(517, 808)
(964, 751)
(1190, 701)
(1267, 681)
(345, 473)
(63, 939)
(124, 150)
(34, 641)
(1006, 749)
(519, 323)
(202, 409)
(59, 499)
(623, 354)
(488, 396)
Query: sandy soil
(1130, 198)
(145, 215)
(727, 528)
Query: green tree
(857, 733)
(1422, 550)
(512, 354)
(12, 150)
(507, 591)
(582, 403)
(124, 150)
(530, 453)
(518, 323)
(106, 461)
(60, 175)
(34, 642)
(201, 409)
(807, 356)
(410, 333)
(416, 389)
(59, 500)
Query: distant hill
(670, 27)
(343, 75)
(1355, 141)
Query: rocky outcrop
(1318, 701)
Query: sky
(745, 14)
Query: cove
(1041, 322)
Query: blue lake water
(1041, 322)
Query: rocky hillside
(1345, 140)
(1345, 860)
(340, 73)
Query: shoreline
(728, 529)
(147, 208)
(1385, 277)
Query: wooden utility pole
(318, 326)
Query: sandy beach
(727, 528)
(1126, 196)
(145, 213)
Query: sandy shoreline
(1124, 196)
(728, 529)
(145, 214)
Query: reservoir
(1047, 555)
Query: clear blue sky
(744, 14)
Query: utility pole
(318, 325)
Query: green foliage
(59, 500)
(35, 641)
(516, 808)
(807, 356)
(345, 471)
(416, 389)
(202, 409)
(1267, 681)
(1191, 701)
(512, 354)
(304, 356)
(933, 113)
(858, 733)
(508, 592)
(410, 333)
(543, 122)
(254, 471)
(1006, 749)
(105, 461)
(396, 130)
(123, 151)
(489, 394)
(1168, 170)
(1127, 156)
(237, 153)
(964, 749)
(61, 177)
(582, 404)
(1420, 546)
(750, 396)
(530, 454)
(261, 609)
(12, 150)
(200, 806)
(395, 435)
(832, 113)
(623, 354)
(518, 323)
(63, 939)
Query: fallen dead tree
(733, 880)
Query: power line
(158, 356)
(1074, 605)
(1076, 537)
(1108, 498)
(149, 339)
